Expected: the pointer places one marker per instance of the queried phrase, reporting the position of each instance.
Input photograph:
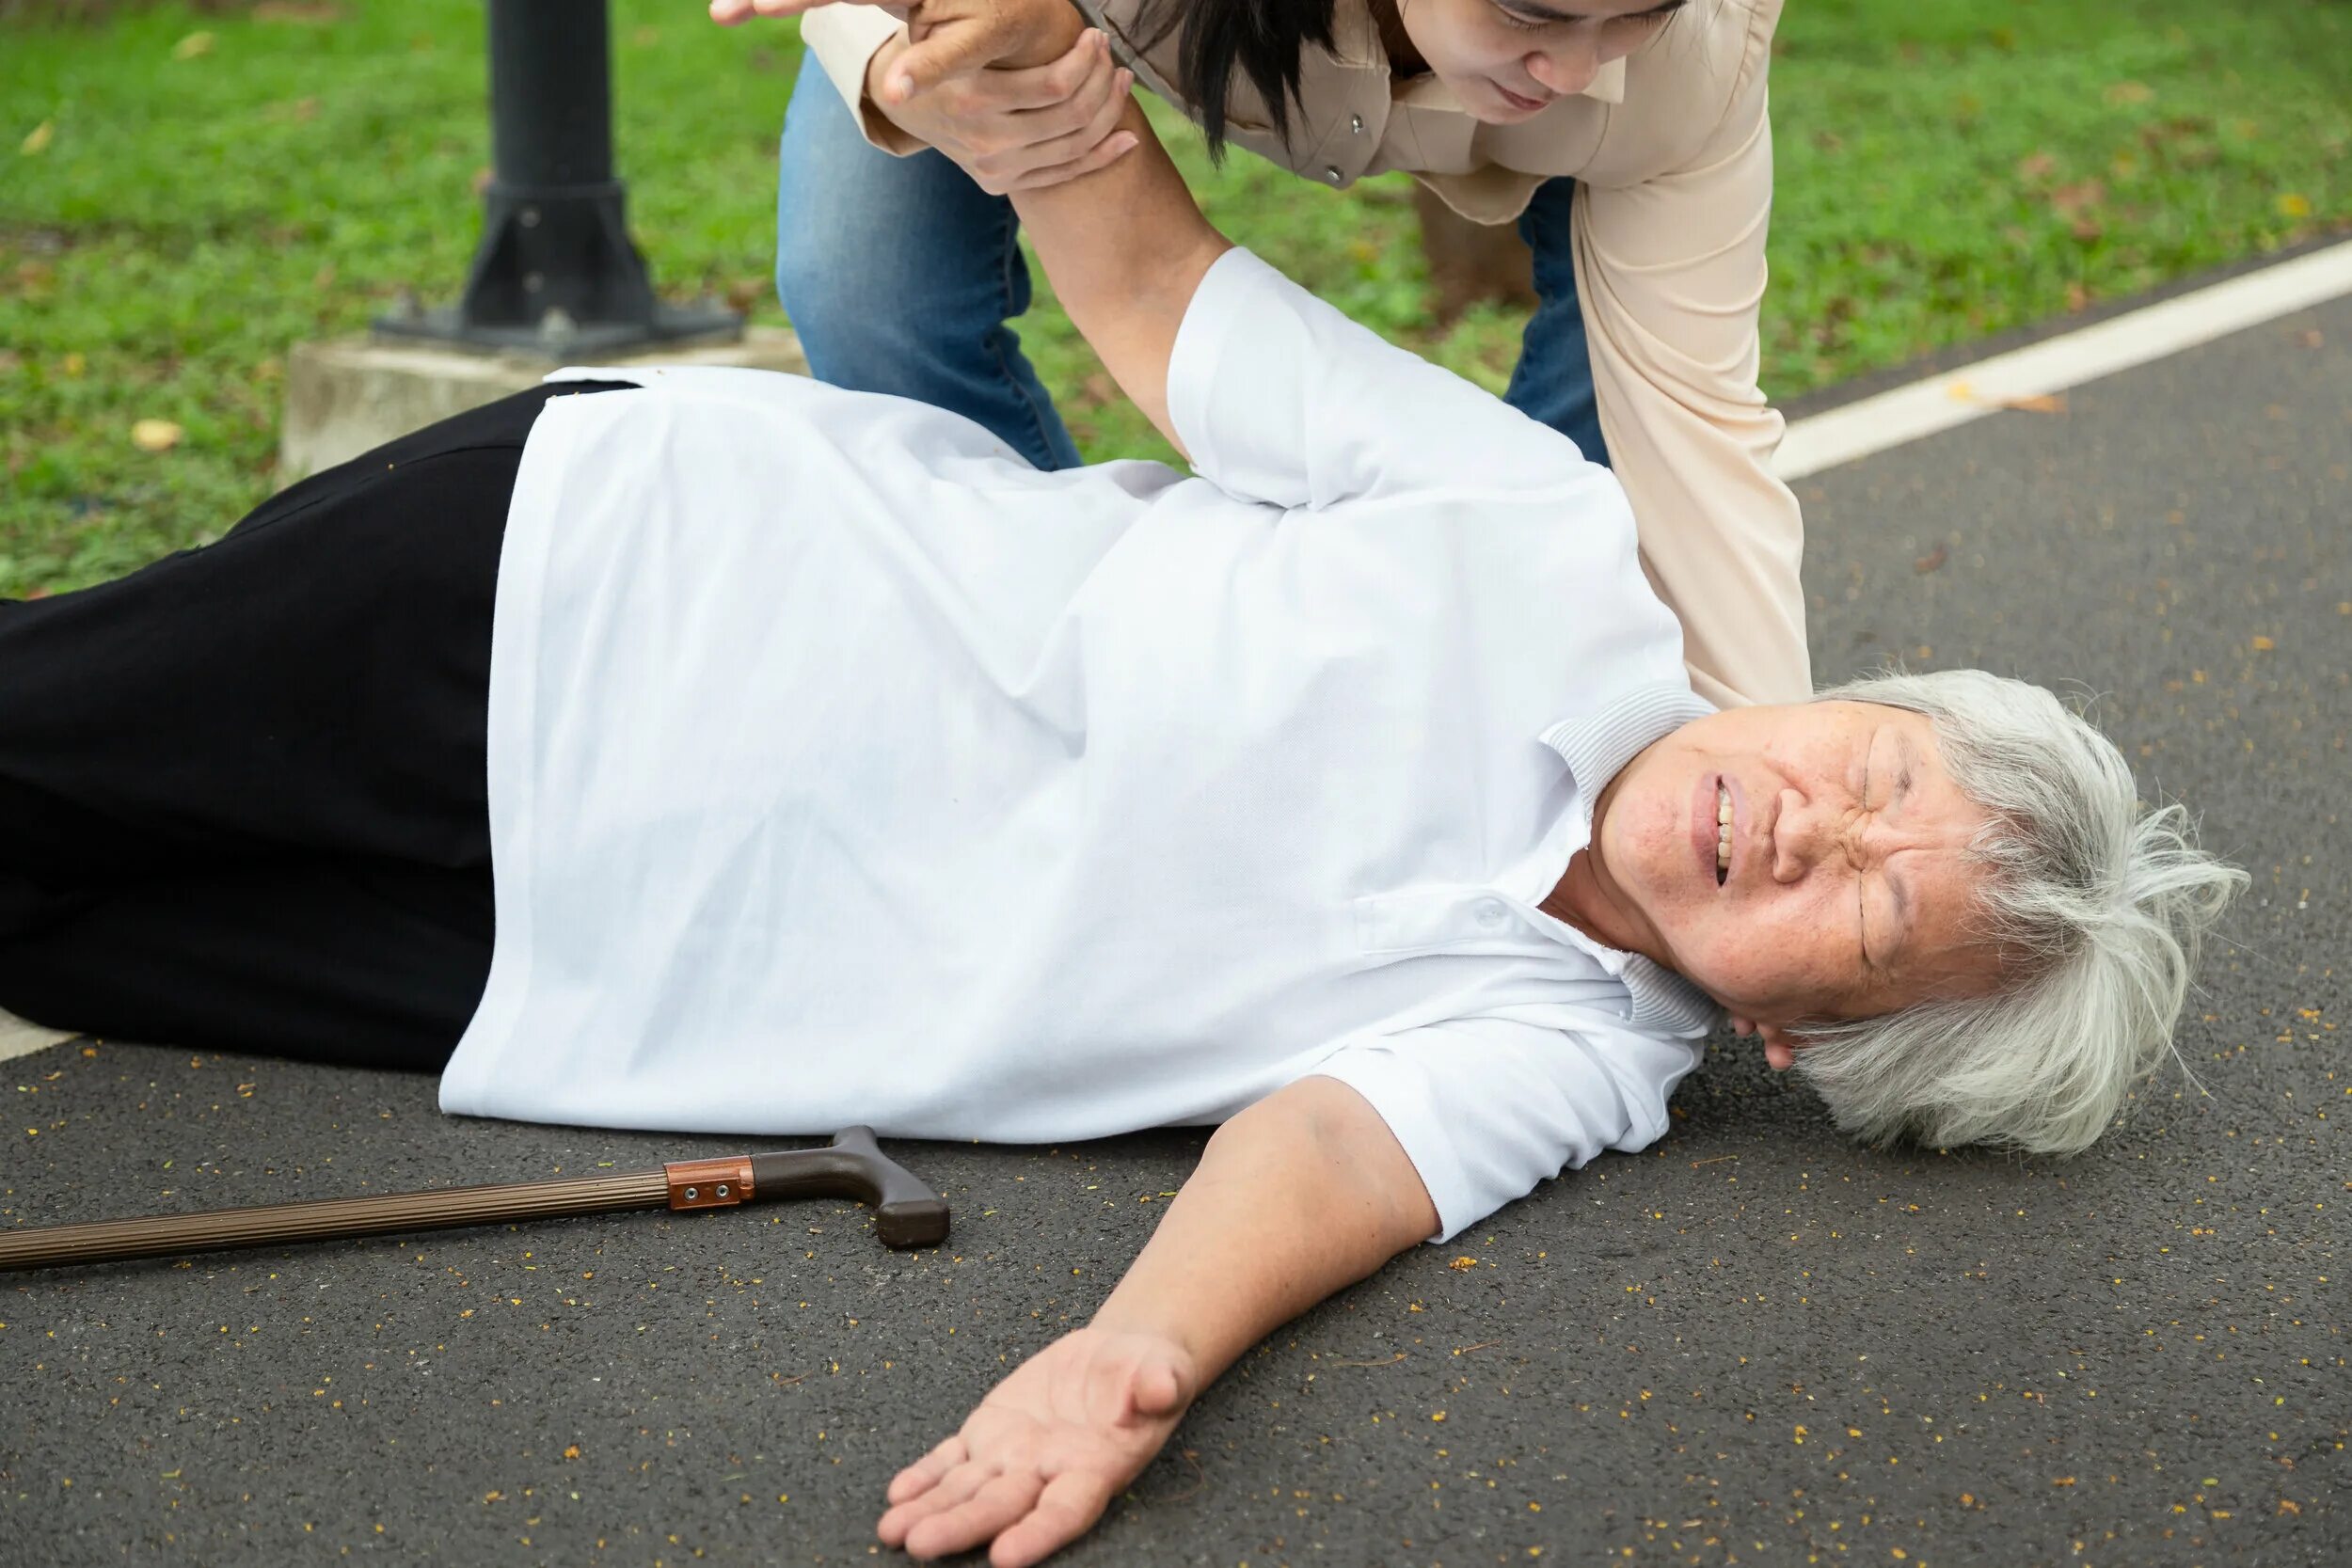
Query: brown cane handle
(907, 1213)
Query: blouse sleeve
(1671, 274)
(843, 38)
(1281, 399)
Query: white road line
(1940, 402)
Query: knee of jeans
(850, 272)
(813, 284)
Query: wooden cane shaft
(106, 1241)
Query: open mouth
(1722, 833)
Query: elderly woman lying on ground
(707, 750)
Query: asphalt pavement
(1752, 1344)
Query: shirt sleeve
(843, 38)
(1488, 1108)
(1279, 398)
(1671, 274)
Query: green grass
(186, 192)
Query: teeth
(1722, 823)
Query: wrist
(1145, 1312)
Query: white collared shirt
(844, 768)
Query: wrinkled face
(1507, 59)
(1799, 862)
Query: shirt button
(1355, 124)
(1491, 914)
(1332, 174)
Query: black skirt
(242, 790)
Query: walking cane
(907, 1213)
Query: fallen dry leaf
(190, 47)
(2130, 92)
(38, 138)
(156, 434)
(2264, 645)
(2066, 200)
(1931, 561)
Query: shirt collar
(1597, 745)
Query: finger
(1048, 139)
(948, 49)
(1779, 1056)
(1158, 1390)
(1086, 101)
(1103, 156)
(923, 1473)
(1006, 1498)
(1086, 135)
(1041, 86)
(727, 13)
(1067, 1508)
(954, 1489)
(1081, 61)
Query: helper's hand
(1011, 130)
(1013, 90)
(953, 36)
(1039, 1461)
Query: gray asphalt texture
(1754, 1343)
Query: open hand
(1034, 1465)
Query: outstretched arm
(1124, 244)
(1125, 247)
(1300, 1196)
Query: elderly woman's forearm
(1125, 247)
(1300, 1195)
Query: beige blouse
(1674, 147)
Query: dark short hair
(1260, 39)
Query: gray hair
(2096, 908)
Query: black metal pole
(556, 273)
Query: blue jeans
(901, 275)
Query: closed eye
(1531, 16)
(1861, 887)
